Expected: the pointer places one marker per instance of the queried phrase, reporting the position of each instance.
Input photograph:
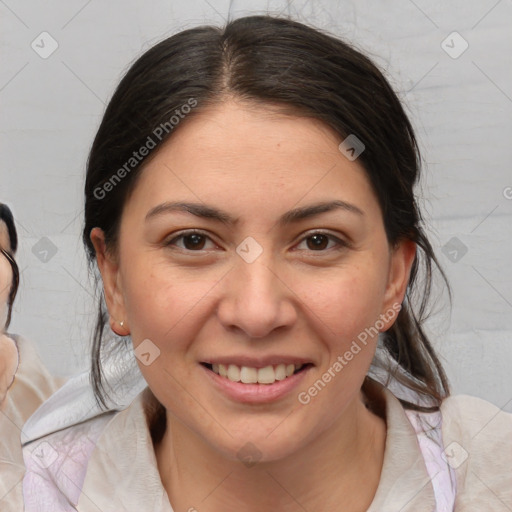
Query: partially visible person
(29, 392)
(9, 278)
(8, 365)
(24, 381)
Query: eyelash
(341, 243)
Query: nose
(256, 300)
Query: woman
(9, 281)
(250, 206)
(24, 381)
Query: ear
(402, 259)
(109, 269)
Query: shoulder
(477, 439)
(56, 464)
(59, 464)
(475, 421)
(31, 386)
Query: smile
(254, 381)
(249, 375)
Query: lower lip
(256, 393)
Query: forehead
(235, 129)
(240, 154)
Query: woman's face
(8, 350)
(268, 280)
(5, 274)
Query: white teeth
(233, 373)
(280, 372)
(266, 375)
(247, 375)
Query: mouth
(267, 375)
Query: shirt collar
(123, 472)
(405, 484)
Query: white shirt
(108, 463)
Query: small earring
(121, 323)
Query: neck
(342, 466)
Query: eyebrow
(209, 212)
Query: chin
(251, 451)
(251, 446)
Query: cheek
(346, 302)
(169, 308)
(164, 304)
(5, 287)
(344, 308)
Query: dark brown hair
(274, 61)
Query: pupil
(197, 241)
(319, 241)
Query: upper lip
(256, 362)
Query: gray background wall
(459, 98)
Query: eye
(191, 241)
(320, 241)
(196, 241)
